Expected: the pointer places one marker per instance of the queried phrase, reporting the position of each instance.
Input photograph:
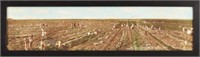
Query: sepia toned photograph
(99, 28)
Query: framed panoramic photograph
(103, 28)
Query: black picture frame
(5, 4)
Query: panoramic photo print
(99, 28)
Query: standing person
(25, 44)
(43, 34)
(30, 39)
(73, 25)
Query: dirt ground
(135, 35)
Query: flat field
(100, 34)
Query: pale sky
(99, 12)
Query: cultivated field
(100, 34)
